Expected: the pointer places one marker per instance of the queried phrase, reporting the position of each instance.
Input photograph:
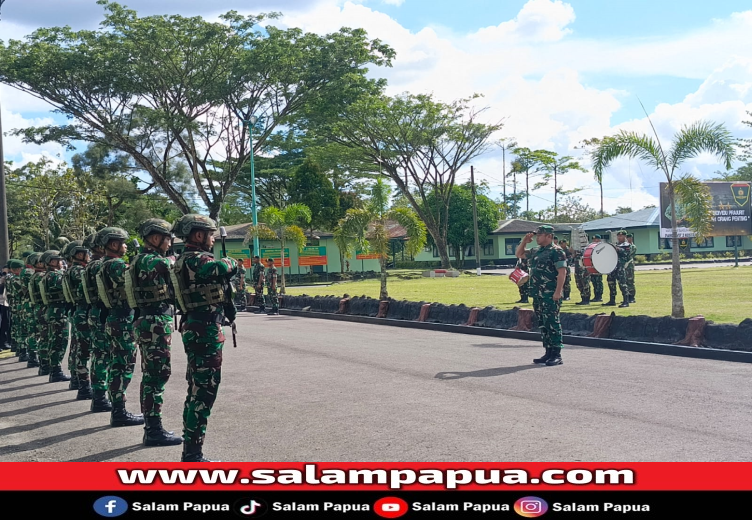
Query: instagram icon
(530, 507)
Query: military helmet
(111, 233)
(191, 222)
(49, 255)
(75, 247)
(154, 225)
(26, 253)
(34, 258)
(90, 242)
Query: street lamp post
(4, 252)
(251, 122)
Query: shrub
(408, 264)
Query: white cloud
(394, 2)
(537, 21)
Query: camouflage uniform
(524, 289)
(203, 279)
(597, 280)
(567, 290)
(619, 275)
(14, 290)
(630, 269)
(271, 289)
(51, 285)
(544, 265)
(581, 278)
(28, 314)
(118, 328)
(100, 344)
(258, 285)
(82, 331)
(154, 327)
(40, 314)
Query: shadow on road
(24, 367)
(33, 408)
(111, 454)
(42, 443)
(488, 372)
(41, 424)
(32, 396)
(17, 388)
(21, 379)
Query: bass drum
(519, 277)
(600, 258)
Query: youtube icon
(390, 507)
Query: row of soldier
(622, 275)
(116, 308)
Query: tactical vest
(184, 280)
(89, 283)
(143, 296)
(67, 293)
(50, 296)
(68, 285)
(34, 294)
(110, 296)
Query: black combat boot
(58, 376)
(597, 299)
(611, 302)
(275, 310)
(84, 391)
(122, 417)
(99, 401)
(631, 299)
(33, 361)
(260, 310)
(44, 368)
(155, 435)
(22, 355)
(583, 302)
(13, 347)
(74, 382)
(522, 300)
(192, 453)
(555, 358)
(544, 358)
(625, 303)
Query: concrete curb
(736, 356)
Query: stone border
(693, 333)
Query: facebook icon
(110, 506)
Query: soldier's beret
(545, 228)
(630, 235)
(597, 236)
(15, 264)
(621, 232)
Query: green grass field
(721, 294)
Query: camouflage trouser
(203, 341)
(154, 333)
(619, 276)
(42, 336)
(547, 312)
(100, 350)
(30, 328)
(630, 278)
(16, 329)
(73, 351)
(597, 280)
(82, 333)
(567, 290)
(258, 299)
(582, 279)
(273, 297)
(57, 327)
(122, 339)
(524, 290)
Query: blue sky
(554, 71)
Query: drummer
(597, 279)
(581, 277)
(619, 274)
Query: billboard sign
(312, 255)
(276, 255)
(732, 215)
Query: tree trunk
(677, 293)
(383, 295)
(601, 185)
(341, 262)
(527, 192)
(443, 248)
(556, 193)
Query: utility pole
(3, 201)
(475, 222)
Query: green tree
(311, 187)
(531, 164)
(283, 226)
(590, 146)
(461, 232)
(171, 88)
(366, 229)
(689, 142)
(555, 167)
(420, 143)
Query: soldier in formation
(597, 279)
(201, 284)
(271, 286)
(581, 278)
(118, 325)
(56, 315)
(548, 264)
(14, 291)
(631, 267)
(564, 245)
(619, 275)
(78, 255)
(257, 278)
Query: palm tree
(281, 225)
(366, 229)
(689, 142)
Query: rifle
(228, 312)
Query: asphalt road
(302, 389)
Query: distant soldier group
(116, 308)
